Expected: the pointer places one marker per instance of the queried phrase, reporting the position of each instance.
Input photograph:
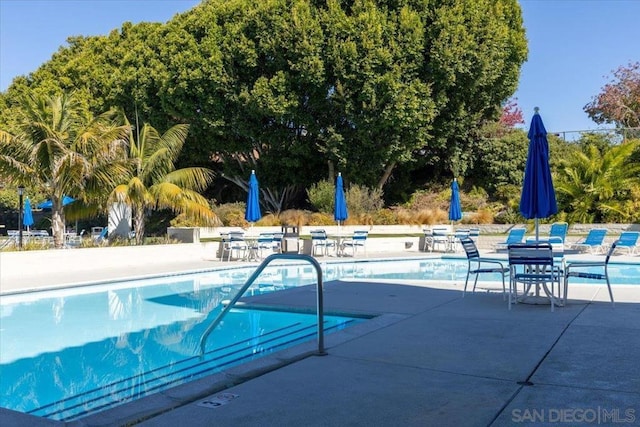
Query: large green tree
(58, 150)
(299, 89)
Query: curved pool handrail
(249, 282)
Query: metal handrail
(249, 282)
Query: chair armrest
(491, 261)
(583, 265)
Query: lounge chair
(478, 265)
(557, 236)
(103, 237)
(628, 241)
(558, 232)
(516, 235)
(594, 242)
(577, 269)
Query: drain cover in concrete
(217, 400)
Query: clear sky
(574, 45)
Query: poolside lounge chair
(594, 242)
(103, 237)
(557, 235)
(478, 265)
(628, 241)
(577, 269)
(516, 235)
(558, 232)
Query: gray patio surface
(428, 357)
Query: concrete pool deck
(429, 358)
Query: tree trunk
(139, 226)
(57, 223)
(386, 175)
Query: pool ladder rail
(319, 307)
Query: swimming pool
(68, 353)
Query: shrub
(360, 219)
(384, 217)
(436, 198)
(294, 217)
(183, 221)
(269, 220)
(508, 216)
(321, 196)
(320, 218)
(431, 216)
(231, 214)
(363, 200)
(481, 216)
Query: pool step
(160, 378)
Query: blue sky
(574, 45)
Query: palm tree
(61, 150)
(599, 186)
(154, 183)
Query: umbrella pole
(537, 234)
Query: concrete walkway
(428, 358)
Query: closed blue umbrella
(538, 199)
(48, 204)
(340, 202)
(455, 209)
(27, 216)
(252, 212)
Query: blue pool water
(71, 352)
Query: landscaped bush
(321, 196)
(384, 217)
(231, 214)
(360, 200)
(360, 219)
(431, 216)
(481, 216)
(434, 198)
(508, 216)
(363, 200)
(294, 217)
(269, 220)
(320, 218)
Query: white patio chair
(358, 240)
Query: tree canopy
(619, 100)
(299, 89)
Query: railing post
(249, 282)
